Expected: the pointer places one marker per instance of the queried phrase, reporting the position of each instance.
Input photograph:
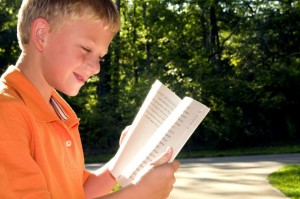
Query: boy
(62, 42)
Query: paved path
(242, 177)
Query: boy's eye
(86, 49)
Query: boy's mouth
(79, 77)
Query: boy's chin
(70, 93)
(73, 94)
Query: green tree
(241, 58)
(9, 49)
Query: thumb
(164, 158)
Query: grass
(116, 188)
(287, 180)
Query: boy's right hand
(158, 182)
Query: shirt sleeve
(20, 175)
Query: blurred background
(240, 58)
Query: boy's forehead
(85, 28)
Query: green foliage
(287, 180)
(9, 49)
(241, 58)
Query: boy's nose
(93, 66)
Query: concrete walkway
(242, 177)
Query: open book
(164, 120)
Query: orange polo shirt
(40, 154)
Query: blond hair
(56, 11)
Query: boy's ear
(39, 29)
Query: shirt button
(68, 143)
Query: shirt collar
(34, 100)
(58, 109)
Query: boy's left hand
(123, 135)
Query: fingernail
(169, 150)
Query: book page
(174, 133)
(158, 105)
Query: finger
(123, 134)
(176, 165)
(164, 158)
